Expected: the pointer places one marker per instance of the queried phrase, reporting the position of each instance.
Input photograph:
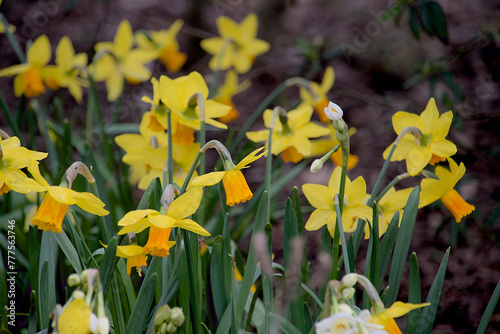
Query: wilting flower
(30, 75)
(13, 158)
(226, 92)
(237, 45)
(164, 42)
(322, 146)
(322, 198)
(442, 188)
(50, 214)
(316, 94)
(432, 147)
(68, 70)
(160, 225)
(235, 185)
(393, 201)
(291, 136)
(178, 95)
(118, 60)
(135, 255)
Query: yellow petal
(255, 155)
(443, 148)
(208, 179)
(258, 136)
(399, 309)
(114, 86)
(226, 26)
(123, 40)
(162, 221)
(13, 70)
(441, 127)
(90, 203)
(357, 191)
(319, 196)
(75, 318)
(417, 160)
(395, 200)
(186, 204)
(136, 227)
(129, 250)
(39, 53)
(65, 53)
(328, 80)
(320, 218)
(133, 216)
(429, 116)
(192, 226)
(403, 119)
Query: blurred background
(387, 56)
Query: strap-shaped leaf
(142, 305)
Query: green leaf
(402, 246)
(69, 250)
(429, 312)
(415, 29)
(414, 295)
(108, 264)
(286, 326)
(34, 257)
(483, 325)
(438, 21)
(425, 17)
(47, 277)
(140, 312)
(217, 284)
(246, 283)
(387, 246)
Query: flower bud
(94, 323)
(73, 280)
(79, 294)
(316, 165)
(163, 328)
(333, 111)
(164, 314)
(348, 293)
(171, 328)
(177, 316)
(350, 280)
(103, 325)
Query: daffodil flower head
(431, 147)
(118, 61)
(50, 214)
(291, 133)
(443, 188)
(237, 45)
(13, 158)
(186, 97)
(135, 255)
(322, 199)
(164, 42)
(235, 184)
(30, 75)
(315, 94)
(160, 225)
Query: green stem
(342, 235)
(191, 172)
(269, 159)
(103, 226)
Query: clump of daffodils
(167, 319)
(341, 315)
(84, 311)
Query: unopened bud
(103, 325)
(316, 165)
(78, 168)
(163, 328)
(171, 328)
(348, 293)
(79, 294)
(177, 316)
(73, 280)
(333, 111)
(163, 314)
(350, 280)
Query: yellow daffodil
(164, 42)
(69, 69)
(226, 92)
(315, 96)
(176, 94)
(135, 255)
(13, 158)
(442, 188)
(386, 317)
(322, 146)
(237, 45)
(322, 198)
(235, 185)
(291, 139)
(118, 60)
(393, 201)
(75, 318)
(157, 116)
(432, 147)
(160, 225)
(50, 214)
(30, 75)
